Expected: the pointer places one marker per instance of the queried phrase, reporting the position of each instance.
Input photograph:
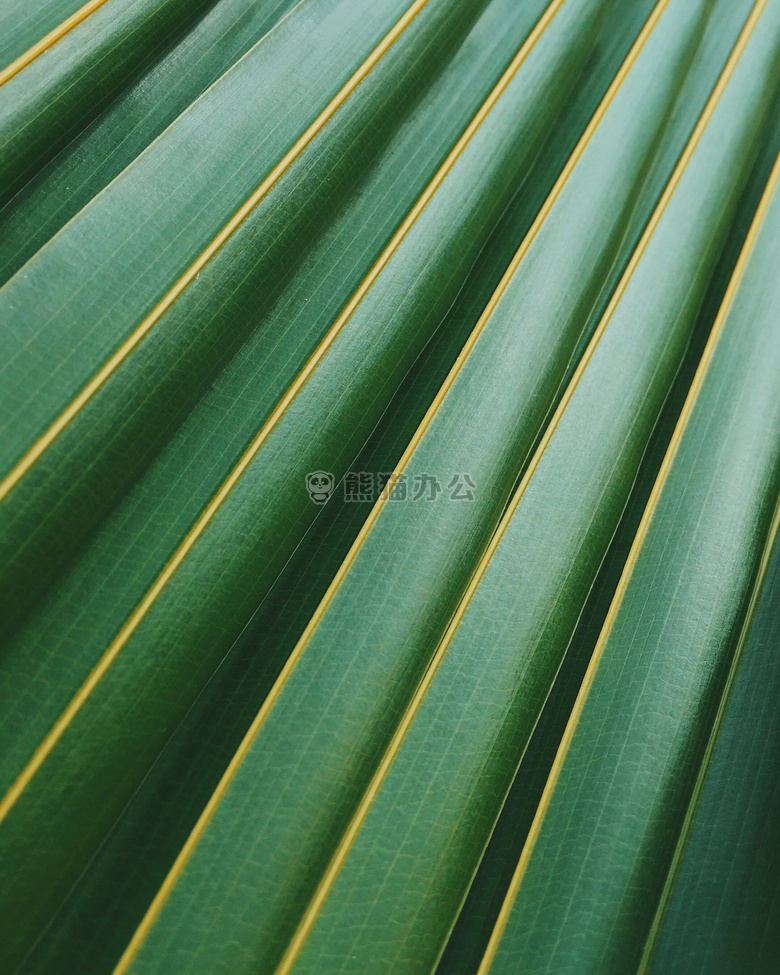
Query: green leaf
(137, 116)
(720, 907)
(616, 798)
(311, 751)
(24, 25)
(409, 853)
(490, 153)
(160, 660)
(54, 94)
(496, 719)
(117, 889)
(138, 341)
(475, 923)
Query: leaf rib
(483, 318)
(644, 524)
(362, 812)
(397, 741)
(47, 745)
(263, 435)
(40, 446)
(43, 45)
(44, 749)
(690, 814)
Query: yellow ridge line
(251, 734)
(56, 732)
(49, 40)
(711, 743)
(359, 818)
(636, 546)
(101, 377)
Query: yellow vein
(251, 734)
(636, 546)
(394, 748)
(49, 40)
(116, 360)
(56, 732)
(711, 743)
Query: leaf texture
(389, 463)
(224, 33)
(43, 105)
(720, 911)
(504, 108)
(25, 27)
(467, 695)
(140, 342)
(477, 918)
(703, 561)
(37, 770)
(166, 808)
(329, 756)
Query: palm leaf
(139, 353)
(110, 901)
(699, 548)
(725, 864)
(26, 30)
(504, 270)
(37, 763)
(137, 116)
(468, 696)
(48, 93)
(475, 923)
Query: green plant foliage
(46, 103)
(135, 118)
(388, 474)
(720, 912)
(615, 802)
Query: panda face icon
(320, 485)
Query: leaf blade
(623, 924)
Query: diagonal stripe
(643, 526)
(61, 725)
(22, 467)
(49, 40)
(394, 748)
(663, 903)
(51, 739)
(232, 768)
